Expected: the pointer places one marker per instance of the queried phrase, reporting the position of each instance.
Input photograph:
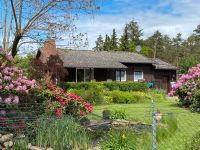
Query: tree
(113, 41)
(99, 44)
(107, 44)
(155, 42)
(124, 43)
(32, 21)
(134, 33)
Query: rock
(21, 136)
(1, 147)
(30, 147)
(0, 135)
(6, 138)
(120, 123)
(158, 116)
(8, 144)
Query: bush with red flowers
(60, 103)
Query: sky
(168, 16)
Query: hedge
(109, 86)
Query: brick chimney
(47, 50)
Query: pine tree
(124, 43)
(134, 33)
(107, 44)
(99, 44)
(113, 42)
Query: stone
(30, 147)
(120, 123)
(1, 147)
(0, 135)
(6, 138)
(8, 144)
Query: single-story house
(87, 65)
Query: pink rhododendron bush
(186, 88)
(14, 88)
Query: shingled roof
(107, 59)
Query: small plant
(195, 142)
(61, 133)
(118, 114)
(121, 139)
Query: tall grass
(61, 134)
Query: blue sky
(168, 16)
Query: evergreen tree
(113, 42)
(124, 43)
(107, 44)
(134, 33)
(99, 44)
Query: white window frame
(121, 77)
(139, 79)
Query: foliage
(46, 72)
(186, 63)
(59, 102)
(128, 97)
(23, 63)
(122, 86)
(194, 144)
(124, 42)
(118, 114)
(166, 127)
(99, 44)
(195, 106)
(121, 139)
(61, 134)
(14, 90)
(186, 86)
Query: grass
(188, 123)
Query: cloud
(169, 16)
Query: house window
(138, 75)
(123, 75)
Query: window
(138, 75)
(123, 75)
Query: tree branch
(14, 14)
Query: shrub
(59, 102)
(122, 86)
(196, 101)
(128, 97)
(61, 134)
(121, 139)
(186, 86)
(157, 95)
(194, 144)
(118, 114)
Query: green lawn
(188, 122)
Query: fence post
(153, 126)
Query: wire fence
(169, 128)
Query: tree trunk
(15, 44)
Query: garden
(96, 115)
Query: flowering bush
(13, 86)
(186, 86)
(61, 102)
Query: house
(87, 65)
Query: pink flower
(1, 100)
(7, 88)
(2, 112)
(16, 100)
(7, 101)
